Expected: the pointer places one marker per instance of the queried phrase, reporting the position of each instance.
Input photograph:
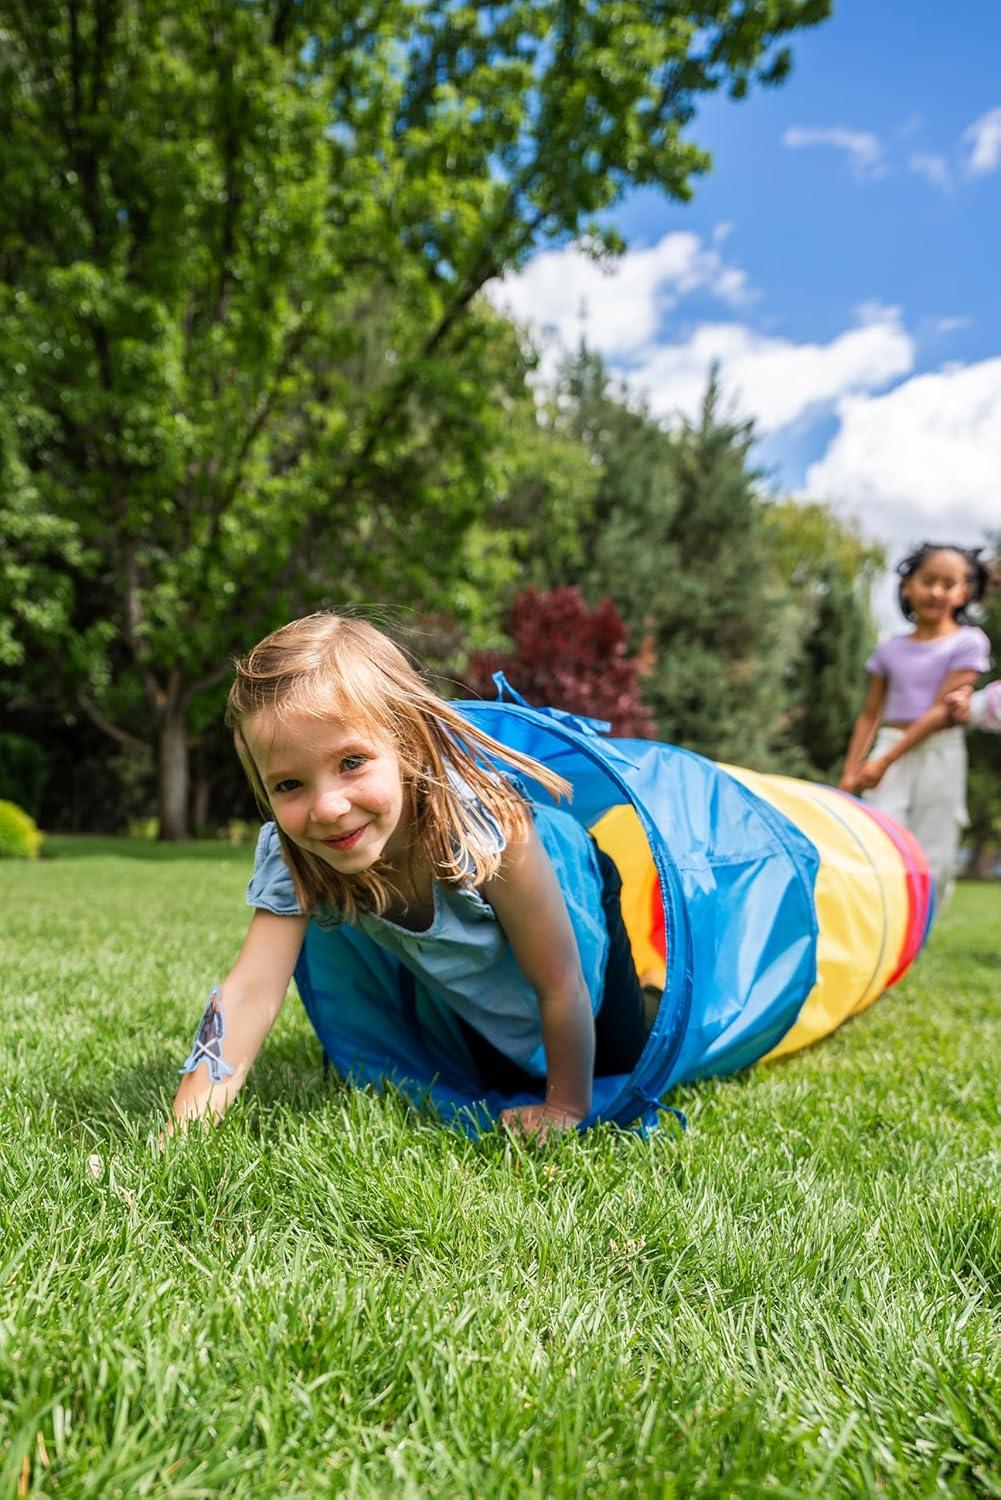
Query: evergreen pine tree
(717, 682)
(829, 679)
(827, 568)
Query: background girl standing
(917, 769)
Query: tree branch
(121, 735)
(208, 679)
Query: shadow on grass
(290, 1073)
(90, 846)
(290, 1077)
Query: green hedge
(20, 837)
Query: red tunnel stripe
(919, 887)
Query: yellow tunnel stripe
(861, 895)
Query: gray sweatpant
(925, 790)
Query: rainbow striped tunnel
(769, 910)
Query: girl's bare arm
(863, 733)
(252, 996)
(939, 716)
(529, 904)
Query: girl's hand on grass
(537, 1122)
(872, 773)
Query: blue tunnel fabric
(737, 881)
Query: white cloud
(772, 379)
(984, 136)
(619, 303)
(862, 146)
(921, 460)
(619, 306)
(934, 168)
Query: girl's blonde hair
(335, 666)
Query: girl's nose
(329, 804)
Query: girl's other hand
(536, 1122)
(848, 782)
(872, 774)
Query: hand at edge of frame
(959, 704)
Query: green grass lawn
(331, 1294)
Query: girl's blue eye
(353, 762)
(287, 786)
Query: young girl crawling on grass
(386, 816)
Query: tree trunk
(173, 771)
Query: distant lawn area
(331, 1294)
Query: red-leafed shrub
(567, 656)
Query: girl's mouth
(346, 841)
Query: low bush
(20, 837)
(568, 656)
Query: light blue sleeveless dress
(462, 964)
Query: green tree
(720, 654)
(676, 537)
(674, 528)
(827, 569)
(241, 253)
(635, 493)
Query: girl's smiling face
(336, 791)
(939, 587)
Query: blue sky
(841, 263)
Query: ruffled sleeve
(972, 651)
(271, 887)
(484, 826)
(876, 665)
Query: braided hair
(979, 575)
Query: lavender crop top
(915, 670)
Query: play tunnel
(768, 909)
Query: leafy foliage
(827, 571)
(241, 338)
(567, 656)
(677, 538)
(19, 835)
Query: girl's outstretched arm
(863, 733)
(939, 716)
(238, 1018)
(529, 904)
